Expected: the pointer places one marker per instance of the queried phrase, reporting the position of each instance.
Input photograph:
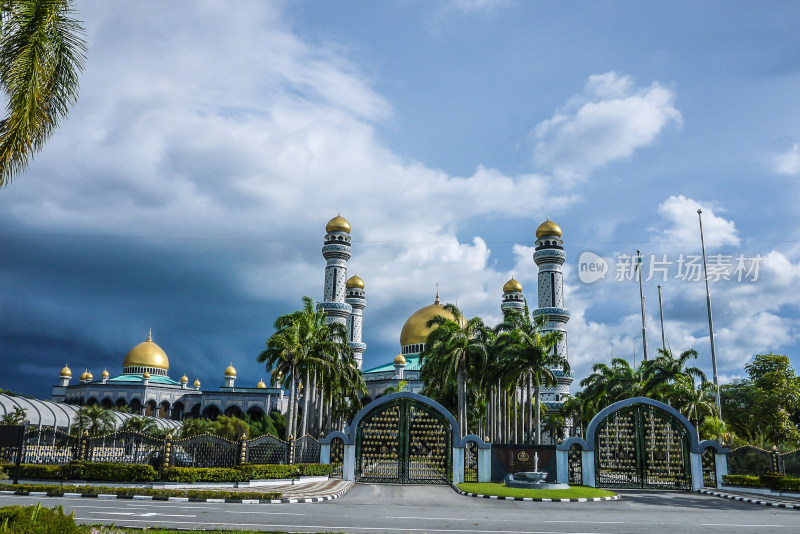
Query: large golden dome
(548, 228)
(147, 354)
(338, 224)
(415, 330)
(355, 282)
(512, 286)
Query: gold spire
(150, 335)
(437, 294)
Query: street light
(710, 319)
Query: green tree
(17, 417)
(143, 425)
(776, 396)
(402, 385)
(95, 419)
(195, 427)
(454, 346)
(231, 428)
(41, 53)
(531, 352)
(303, 342)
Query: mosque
(144, 387)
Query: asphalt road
(393, 509)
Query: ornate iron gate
(709, 468)
(641, 446)
(404, 442)
(337, 457)
(575, 465)
(471, 461)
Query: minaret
(230, 376)
(59, 393)
(513, 299)
(550, 256)
(336, 251)
(356, 299)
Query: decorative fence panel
(49, 446)
(790, 464)
(575, 464)
(126, 448)
(471, 461)
(337, 457)
(749, 460)
(306, 450)
(709, 461)
(204, 451)
(267, 449)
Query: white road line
(139, 514)
(264, 513)
(743, 526)
(419, 517)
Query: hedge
(742, 480)
(53, 490)
(789, 484)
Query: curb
(532, 499)
(748, 499)
(178, 499)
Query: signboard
(13, 437)
(516, 458)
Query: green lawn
(499, 489)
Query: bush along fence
(45, 446)
(752, 461)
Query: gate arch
(642, 443)
(404, 438)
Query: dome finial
(150, 335)
(437, 294)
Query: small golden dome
(105, 374)
(184, 379)
(548, 228)
(261, 385)
(146, 375)
(66, 371)
(338, 224)
(400, 359)
(147, 354)
(84, 375)
(415, 330)
(230, 371)
(355, 282)
(196, 382)
(512, 286)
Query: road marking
(146, 514)
(264, 513)
(420, 517)
(743, 526)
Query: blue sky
(189, 188)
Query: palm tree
(17, 417)
(142, 425)
(402, 385)
(195, 427)
(41, 54)
(529, 351)
(451, 348)
(662, 372)
(95, 419)
(304, 341)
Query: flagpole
(661, 312)
(710, 319)
(641, 296)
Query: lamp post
(661, 312)
(641, 296)
(710, 319)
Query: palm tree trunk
(290, 410)
(538, 414)
(529, 404)
(306, 398)
(321, 408)
(462, 399)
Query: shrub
(244, 472)
(37, 520)
(317, 470)
(742, 480)
(129, 492)
(40, 471)
(770, 480)
(789, 484)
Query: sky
(188, 190)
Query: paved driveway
(393, 509)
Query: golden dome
(84, 375)
(261, 385)
(338, 224)
(415, 330)
(230, 371)
(512, 286)
(147, 354)
(146, 375)
(105, 374)
(548, 228)
(184, 379)
(196, 383)
(355, 281)
(66, 371)
(400, 359)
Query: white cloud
(479, 6)
(682, 224)
(788, 162)
(608, 122)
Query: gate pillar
(325, 453)
(562, 466)
(349, 464)
(349, 459)
(587, 468)
(458, 465)
(696, 460)
(485, 464)
(721, 465)
(484, 459)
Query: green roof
(413, 363)
(137, 379)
